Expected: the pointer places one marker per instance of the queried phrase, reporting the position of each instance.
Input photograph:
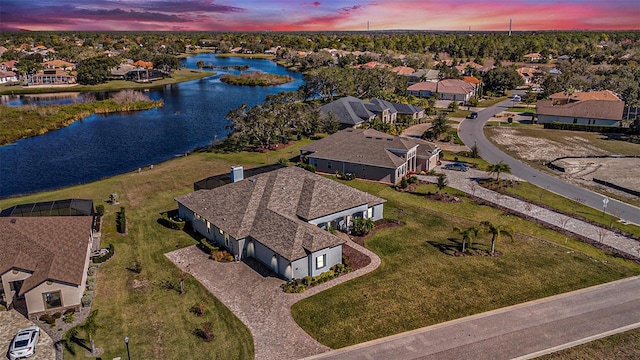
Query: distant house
(395, 109)
(348, 111)
(403, 70)
(8, 65)
(587, 112)
(464, 68)
(529, 74)
(45, 255)
(423, 75)
(533, 57)
(8, 77)
(563, 58)
(52, 77)
(446, 89)
(371, 154)
(59, 64)
(280, 218)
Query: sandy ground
(624, 172)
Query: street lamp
(126, 342)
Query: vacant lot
(538, 147)
(620, 346)
(417, 284)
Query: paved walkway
(10, 322)
(522, 331)
(464, 181)
(259, 302)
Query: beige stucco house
(44, 261)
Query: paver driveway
(10, 323)
(258, 301)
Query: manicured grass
(157, 320)
(256, 79)
(249, 56)
(460, 113)
(417, 285)
(491, 101)
(619, 346)
(513, 124)
(521, 109)
(477, 162)
(536, 194)
(177, 76)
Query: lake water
(102, 146)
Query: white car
(24, 343)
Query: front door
(16, 286)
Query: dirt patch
(139, 284)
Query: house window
(208, 227)
(575, 121)
(52, 300)
(321, 261)
(328, 164)
(221, 232)
(369, 213)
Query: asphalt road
(471, 131)
(521, 331)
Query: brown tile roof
(274, 208)
(589, 109)
(454, 86)
(471, 80)
(51, 248)
(604, 95)
(362, 146)
(403, 70)
(423, 86)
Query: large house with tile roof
(587, 108)
(44, 261)
(446, 89)
(371, 154)
(280, 218)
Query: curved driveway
(471, 131)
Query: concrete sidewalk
(464, 181)
(522, 331)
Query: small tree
(453, 106)
(442, 182)
(90, 328)
(498, 168)
(467, 234)
(200, 64)
(496, 232)
(474, 152)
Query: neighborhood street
(471, 131)
(522, 331)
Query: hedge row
(584, 127)
(121, 221)
(105, 257)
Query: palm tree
(468, 234)
(90, 327)
(496, 231)
(442, 182)
(498, 168)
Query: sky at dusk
(322, 15)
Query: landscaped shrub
(403, 183)
(171, 223)
(205, 332)
(308, 167)
(47, 318)
(220, 255)
(413, 179)
(87, 298)
(347, 176)
(362, 226)
(105, 257)
(91, 284)
(296, 286)
(307, 280)
(121, 221)
(197, 309)
(100, 210)
(68, 316)
(510, 120)
(207, 247)
(92, 270)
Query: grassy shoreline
(256, 79)
(177, 76)
(247, 56)
(21, 122)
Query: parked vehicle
(458, 166)
(473, 115)
(24, 343)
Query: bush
(121, 221)
(362, 226)
(207, 247)
(306, 280)
(100, 210)
(171, 223)
(105, 257)
(68, 317)
(92, 270)
(197, 309)
(205, 332)
(510, 120)
(49, 319)
(283, 161)
(308, 167)
(87, 298)
(413, 179)
(403, 183)
(347, 176)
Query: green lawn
(619, 346)
(491, 101)
(157, 320)
(521, 109)
(177, 76)
(418, 285)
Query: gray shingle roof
(348, 110)
(52, 248)
(274, 208)
(362, 146)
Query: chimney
(237, 173)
